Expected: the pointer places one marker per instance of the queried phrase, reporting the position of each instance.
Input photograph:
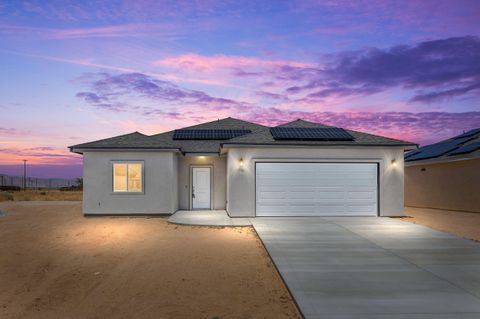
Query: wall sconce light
(241, 162)
(394, 162)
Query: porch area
(207, 218)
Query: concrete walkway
(207, 218)
(375, 268)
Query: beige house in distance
(445, 175)
(299, 168)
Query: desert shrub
(5, 196)
(75, 188)
(43, 193)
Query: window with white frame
(127, 177)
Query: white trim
(81, 150)
(193, 154)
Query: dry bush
(5, 196)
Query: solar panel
(311, 134)
(208, 134)
(411, 153)
(466, 148)
(436, 150)
(468, 133)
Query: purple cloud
(273, 96)
(111, 91)
(7, 131)
(91, 98)
(436, 69)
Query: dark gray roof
(260, 136)
(263, 137)
(207, 146)
(465, 144)
(133, 140)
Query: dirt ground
(462, 224)
(55, 263)
(41, 195)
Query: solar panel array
(436, 150)
(466, 148)
(310, 134)
(468, 133)
(208, 134)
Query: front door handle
(193, 192)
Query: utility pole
(24, 175)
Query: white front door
(316, 189)
(201, 188)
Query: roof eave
(443, 159)
(81, 150)
(406, 146)
(200, 153)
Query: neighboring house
(295, 169)
(445, 175)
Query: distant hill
(33, 182)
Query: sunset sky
(76, 71)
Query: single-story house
(295, 169)
(445, 175)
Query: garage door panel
(324, 195)
(301, 195)
(316, 189)
(266, 195)
(358, 195)
(360, 209)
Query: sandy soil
(41, 195)
(55, 263)
(462, 224)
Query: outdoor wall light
(241, 162)
(394, 162)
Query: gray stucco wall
(219, 179)
(160, 184)
(241, 181)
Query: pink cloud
(237, 72)
(37, 155)
(201, 63)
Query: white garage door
(316, 189)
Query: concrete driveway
(374, 268)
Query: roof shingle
(260, 136)
(264, 137)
